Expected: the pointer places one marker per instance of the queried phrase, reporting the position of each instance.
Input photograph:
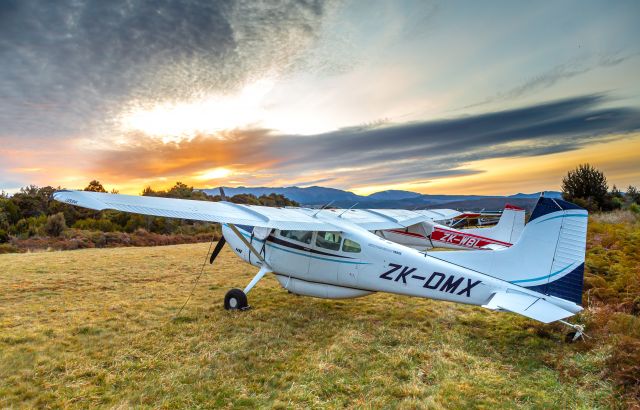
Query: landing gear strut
(575, 334)
(236, 299)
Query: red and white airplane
(431, 234)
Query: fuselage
(432, 235)
(354, 262)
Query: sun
(215, 173)
(174, 121)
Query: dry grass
(94, 328)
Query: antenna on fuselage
(323, 207)
(352, 206)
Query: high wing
(376, 219)
(227, 212)
(439, 214)
(207, 211)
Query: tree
(55, 224)
(180, 191)
(632, 195)
(95, 186)
(248, 199)
(586, 184)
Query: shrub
(4, 236)
(91, 224)
(8, 248)
(624, 366)
(616, 203)
(28, 227)
(635, 208)
(55, 224)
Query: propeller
(217, 249)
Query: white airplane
(321, 254)
(431, 234)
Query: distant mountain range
(318, 196)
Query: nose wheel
(235, 299)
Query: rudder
(548, 258)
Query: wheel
(570, 337)
(235, 299)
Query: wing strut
(265, 266)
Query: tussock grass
(97, 328)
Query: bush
(55, 225)
(28, 227)
(8, 248)
(616, 203)
(635, 208)
(4, 236)
(624, 366)
(103, 225)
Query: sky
(455, 97)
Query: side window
(329, 240)
(300, 236)
(350, 246)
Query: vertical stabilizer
(509, 226)
(548, 258)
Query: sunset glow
(177, 121)
(216, 173)
(480, 99)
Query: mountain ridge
(317, 196)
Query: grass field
(96, 327)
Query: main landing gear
(236, 299)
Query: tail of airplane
(509, 226)
(548, 258)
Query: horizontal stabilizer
(527, 305)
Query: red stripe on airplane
(513, 207)
(462, 239)
(415, 235)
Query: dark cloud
(398, 153)
(558, 122)
(68, 64)
(556, 74)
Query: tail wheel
(571, 337)
(235, 299)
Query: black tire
(569, 337)
(235, 299)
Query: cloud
(68, 65)
(552, 76)
(419, 151)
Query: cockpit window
(329, 240)
(300, 236)
(350, 246)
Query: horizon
(426, 97)
(109, 189)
